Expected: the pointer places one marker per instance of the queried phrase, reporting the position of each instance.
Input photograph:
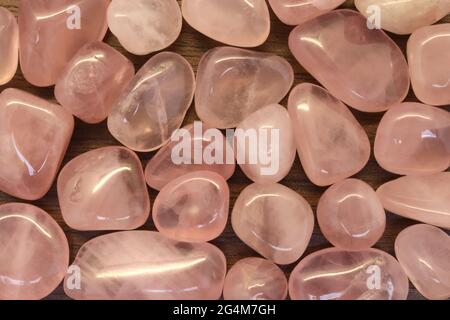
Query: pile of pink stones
(59, 43)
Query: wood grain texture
(192, 45)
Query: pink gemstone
(148, 266)
(51, 32)
(255, 279)
(9, 45)
(104, 189)
(364, 68)
(154, 104)
(336, 274)
(193, 207)
(273, 220)
(232, 83)
(34, 135)
(34, 253)
(331, 143)
(426, 262)
(413, 139)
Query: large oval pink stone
(34, 253)
(148, 266)
(336, 274)
(332, 145)
(364, 68)
(9, 45)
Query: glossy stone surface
(255, 279)
(351, 216)
(193, 207)
(104, 189)
(426, 262)
(92, 81)
(34, 135)
(145, 26)
(364, 68)
(51, 32)
(273, 220)
(240, 23)
(150, 267)
(232, 83)
(9, 45)
(413, 139)
(34, 253)
(336, 274)
(154, 103)
(332, 145)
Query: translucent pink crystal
(9, 45)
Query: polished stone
(9, 45)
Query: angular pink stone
(332, 145)
(92, 81)
(413, 139)
(193, 207)
(34, 253)
(9, 45)
(51, 32)
(34, 135)
(232, 83)
(148, 266)
(336, 274)
(364, 68)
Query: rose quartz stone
(104, 189)
(145, 26)
(232, 83)
(336, 274)
(154, 103)
(34, 253)
(351, 216)
(273, 220)
(34, 135)
(364, 68)
(193, 207)
(9, 45)
(240, 23)
(51, 32)
(413, 139)
(332, 145)
(255, 279)
(149, 266)
(426, 262)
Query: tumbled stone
(9, 45)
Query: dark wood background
(192, 45)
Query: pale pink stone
(413, 139)
(232, 83)
(424, 253)
(145, 265)
(364, 68)
(273, 220)
(34, 135)
(34, 253)
(9, 45)
(255, 279)
(51, 32)
(193, 207)
(332, 145)
(336, 274)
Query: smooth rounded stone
(104, 189)
(34, 136)
(255, 279)
(413, 139)
(9, 46)
(426, 262)
(364, 68)
(273, 220)
(145, 26)
(34, 253)
(332, 145)
(351, 216)
(51, 32)
(149, 266)
(193, 207)
(233, 83)
(336, 274)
